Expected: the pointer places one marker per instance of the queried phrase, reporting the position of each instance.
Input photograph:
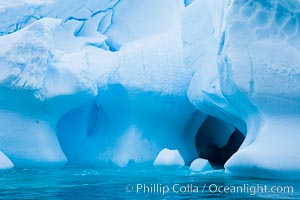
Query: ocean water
(152, 183)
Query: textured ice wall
(61, 54)
(142, 109)
(260, 60)
(248, 76)
(37, 87)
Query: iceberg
(169, 158)
(200, 165)
(144, 95)
(37, 87)
(246, 79)
(5, 163)
(89, 86)
(268, 77)
(112, 83)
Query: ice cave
(217, 141)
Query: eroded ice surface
(115, 82)
(253, 84)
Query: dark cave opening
(217, 141)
